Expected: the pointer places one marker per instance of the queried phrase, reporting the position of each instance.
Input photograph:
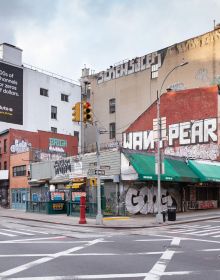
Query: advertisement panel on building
(11, 94)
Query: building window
(5, 145)
(19, 170)
(5, 165)
(43, 92)
(53, 112)
(54, 129)
(64, 97)
(0, 166)
(154, 71)
(112, 130)
(112, 105)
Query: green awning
(175, 170)
(207, 171)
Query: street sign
(92, 172)
(99, 172)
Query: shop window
(64, 97)
(112, 132)
(53, 112)
(19, 170)
(112, 105)
(44, 92)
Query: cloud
(63, 35)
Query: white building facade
(31, 99)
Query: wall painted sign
(11, 94)
(57, 145)
(132, 66)
(179, 139)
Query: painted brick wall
(181, 106)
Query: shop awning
(176, 170)
(206, 170)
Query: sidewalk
(135, 221)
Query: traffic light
(76, 112)
(87, 112)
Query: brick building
(190, 134)
(18, 149)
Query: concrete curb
(118, 227)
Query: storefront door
(18, 198)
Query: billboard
(11, 94)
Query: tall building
(32, 99)
(36, 112)
(125, 90)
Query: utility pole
(159, 216)
(99, 217)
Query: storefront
(189, 131)
(140, 181)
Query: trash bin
(171, 211)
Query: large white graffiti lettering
(144, 200)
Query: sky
(62, 36)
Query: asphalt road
(36, 251)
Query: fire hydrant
(82, 219)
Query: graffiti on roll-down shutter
(144, 200)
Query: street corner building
(189, 145)
(35, 114)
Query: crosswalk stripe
(7, 234)
(36, 231)
(17, 231)
(201, 232)
(209, 233)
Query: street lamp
(159, 216)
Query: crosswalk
(199, 230)
(14, 232)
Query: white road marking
(209, 233)
(175, 241)
(209, 250)
(102, 276)
(159, 268)
(7, 234)
(31, 240)
(45, 259)
(17, 231)
(200, 232)
(147, 240)
(36, 231)
(83, 255)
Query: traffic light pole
(99, 217)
